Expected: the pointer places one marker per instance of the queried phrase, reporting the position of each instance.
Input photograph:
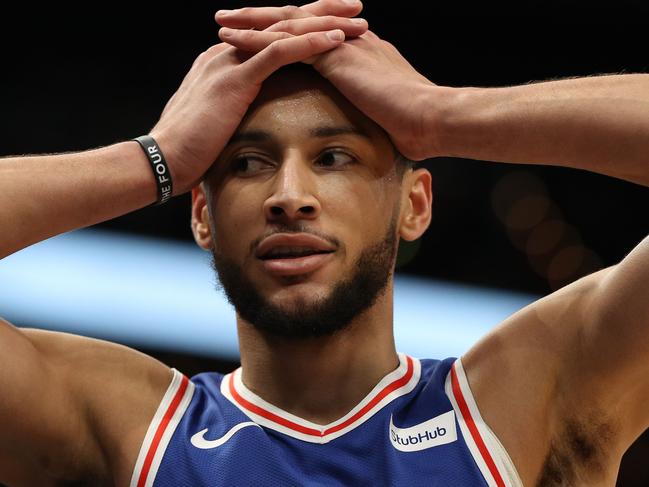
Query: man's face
(304, 208)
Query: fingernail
(350, 2)
(225, 32)
(336, 35)
(359, 21)
(223, 13)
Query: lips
(289, 254)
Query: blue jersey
(419, 426)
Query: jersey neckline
(395, 384)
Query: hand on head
(202, 115)
(370, 72)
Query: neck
(321, 379)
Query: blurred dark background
(79, 77)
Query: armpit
(584, 453)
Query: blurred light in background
(161, 295)
(535, 225)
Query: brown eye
(248, 164)
(335, 159)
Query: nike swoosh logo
(199, 441)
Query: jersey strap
(162, 427)
(491, 458)
(395, 384)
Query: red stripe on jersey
(171, 410)
(267, 414)
(464, 409)
(384, 392)
(314, 432)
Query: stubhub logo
(439, 430)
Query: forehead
(299, 101)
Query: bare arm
(43, 196)
(598, 123)
(595, 123)
(600, 324)
(55, 386)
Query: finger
(290, 50)
(251, 40)
(255, 41)
(339, 8)
(258, 17)
(210, 53)
(262, 17)
(351, 27)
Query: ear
(201, 218)
(416, 204)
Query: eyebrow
(343, 130)
(320, 132)
(250, 136)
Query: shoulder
(117, 390)
(94, 367)
(521, 375)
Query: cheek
(234, 217)
(359, 208)
(369, 193)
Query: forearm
(42, 196)
(600, 124)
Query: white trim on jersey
(490, 456)
(395, 384)
(166, 419)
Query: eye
(248, 164)
(335, 159)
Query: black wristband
(159, 166)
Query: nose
(293, 194)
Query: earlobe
(201, 218)
(416, 205)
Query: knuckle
(313, 39)
(277, 49)
(246, 35)
(200, 60)
(291, 11)
(213, 50)
(282, 25)
(329, 5)
(371, 35)
(208, 55)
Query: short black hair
(403, 164)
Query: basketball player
(302, 211)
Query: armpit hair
(580, 452)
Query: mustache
(297, 227)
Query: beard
(323, 316)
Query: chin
(298, 294)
